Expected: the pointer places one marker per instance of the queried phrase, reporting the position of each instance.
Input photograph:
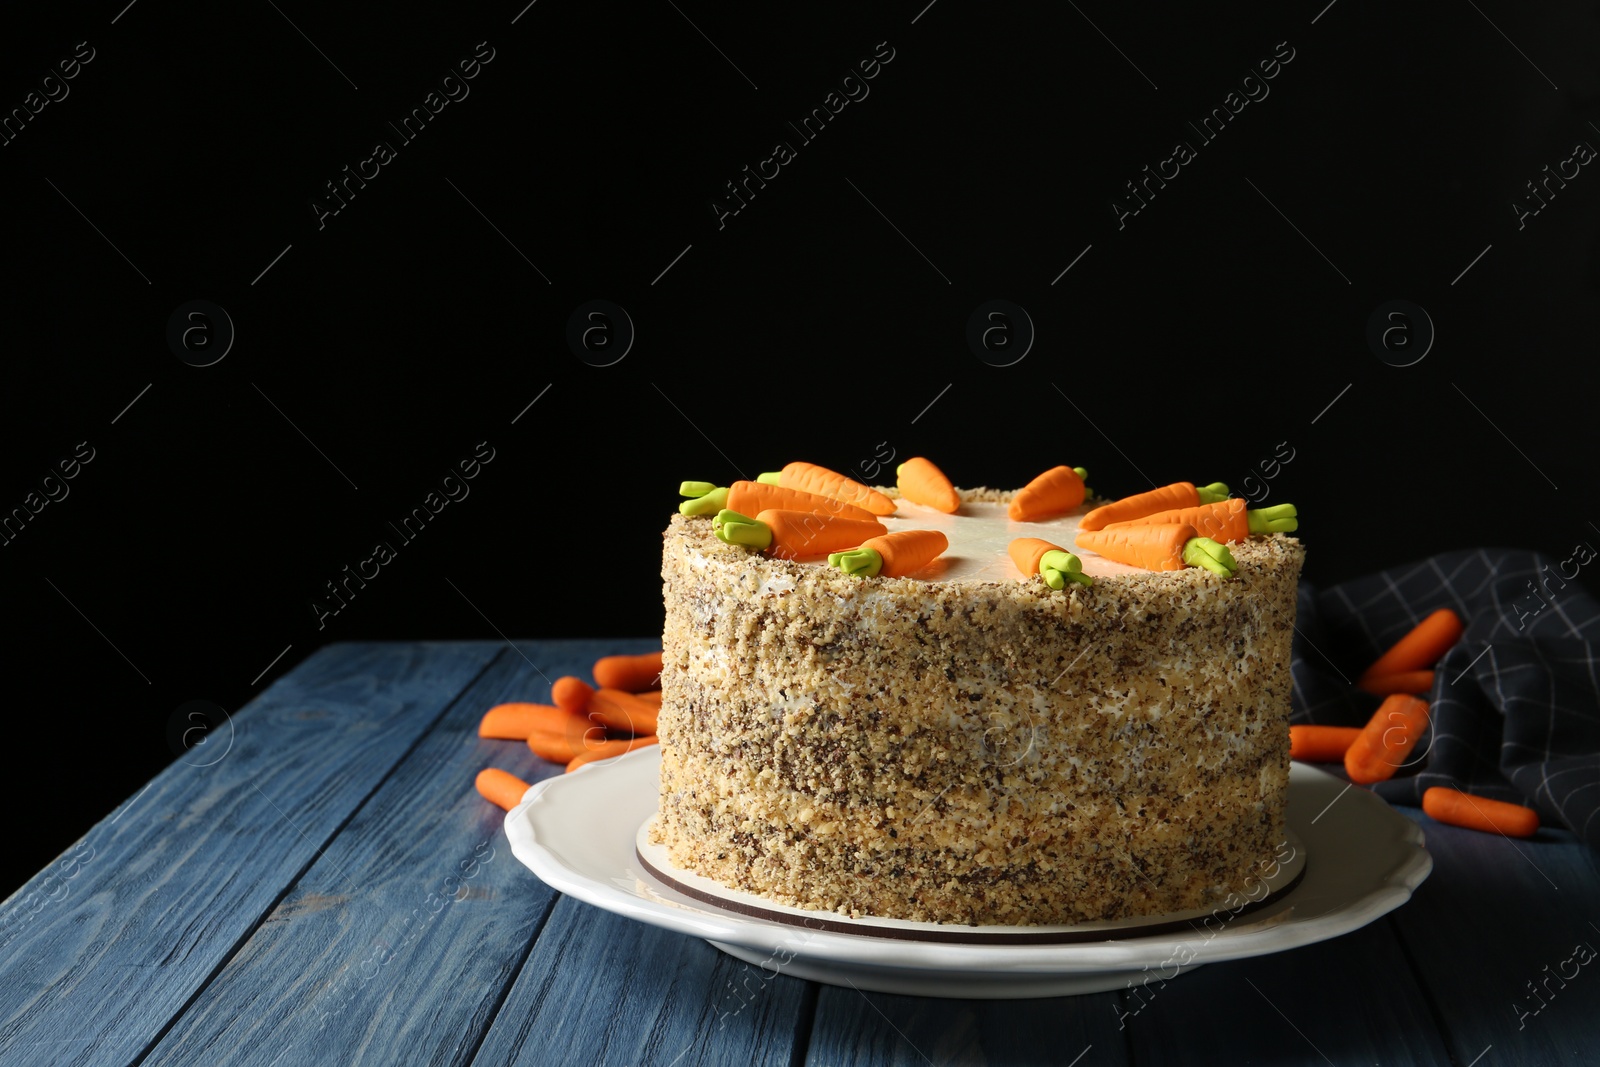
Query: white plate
(578, 831)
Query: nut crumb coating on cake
(974, 752)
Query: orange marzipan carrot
(921, 482)
(1321, 744)
(609, 749)
(650, 696)
(500, 788)
(801, 534)
(752, 498)
(906, 551)
(1223, 521)
(1055, 492)
(616, 710)
(1479, 813)
(1420, 649)
(1387, 739)
(1167, 497)
(631, 674)
(1155, 548)
(810, 478)
(1026, 552)
(1406, 682)
(571, 694)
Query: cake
(967, 744)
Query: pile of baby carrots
(581, 724)
(1374, 752)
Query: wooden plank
(601, 989)
(162, 890)
(854, 1027)
(1352, 1000)
(1493, 932)
(398, 943)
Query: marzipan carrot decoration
(1055, 492)
(631, 674)
(607, 750)
(500, 787)
(1420, 649)
(1321, 744)
(651, 697)
(617, 710)
(735, 529)
(810, 478)
(704, 498)
(892, 555)
(1228, 521)
(1167, 497)
(1408, 682)
(794, 534)
(921, 482)
(1479, 813)
(752, 498)
(802, 534)
(1386, 740)
(571, 694)
(1168, 547)
(1034, 555)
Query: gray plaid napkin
(1515, 704)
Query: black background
(818, 323)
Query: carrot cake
(968, 743)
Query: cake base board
(653, 857)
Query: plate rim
(1277, 932)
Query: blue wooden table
(322, 885)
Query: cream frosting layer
(979, 536)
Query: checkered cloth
(1515, 704)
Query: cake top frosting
(979, 535)
(926, 529)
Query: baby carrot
(1034, 555)
(1321, 744)
(1420, 649)
(922, 483)
(514, 722)
(561, 747)
(1055, 492)
(1405, 682)
(810, 478)
(631, 674)
(892, 555)
(650, 696)
(752, 498)
(1165, 498)
(616, 710)
(608, 750)
(1479, 813)
(801, 534)
(1167, 547)
(1228, 521)
(501, 788)
(1387, 739)
(571, 694)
